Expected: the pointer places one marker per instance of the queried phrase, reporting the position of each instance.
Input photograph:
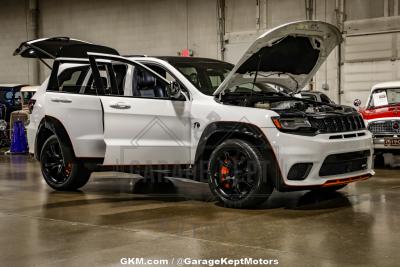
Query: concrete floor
(106, 221)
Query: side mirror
(357, 102)
(174, 89)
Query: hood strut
(45, 63)
(256, 74)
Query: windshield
(205, 76)
(384, 97)
(309, 97)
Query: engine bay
(283, 104)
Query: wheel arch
(52, 126)
(217, 132)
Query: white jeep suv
(239, 127)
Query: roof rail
(135, 55)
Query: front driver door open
(141, 128)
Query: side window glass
(91, 89)
(169, 77)
(120, 72)
(216, 77)
(113, 78)
(71, 79)
(192, 75)
(146, 84)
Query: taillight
(31, 104)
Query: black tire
(236, 186)
(60, 171)
(379, 161)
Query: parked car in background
(10, 96)
(10, 100)
(4, 140)
(382, 116)
(323, 98)
(317, 96)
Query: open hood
(288, 55)
(51, 48)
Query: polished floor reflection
(118, 215)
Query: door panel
(81, 116)
(144, 131)
(142, 126)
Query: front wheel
(238, 174)
(59, 172)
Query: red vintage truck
(382, 116)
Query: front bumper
(290, 149)
(379, 144)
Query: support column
(32, 25)
(221, 28)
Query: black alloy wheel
(53, 163)
(59, 172)
(238, 174)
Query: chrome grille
(384, 127)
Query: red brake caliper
(68, 168)
(224, 171)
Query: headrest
(146, 79)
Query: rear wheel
(238, 174)
(60, 172)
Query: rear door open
(141, 126)
(70, 95)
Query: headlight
(3, 125)
(291, 124)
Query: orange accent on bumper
(346, 180)
(277, 123)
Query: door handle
(120, 106)
(61, 100)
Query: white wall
(164, 27)
(157, 27)
(13, 31)
(242, 29)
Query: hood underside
(288, 56)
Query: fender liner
(53, 125)
(217, 132)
